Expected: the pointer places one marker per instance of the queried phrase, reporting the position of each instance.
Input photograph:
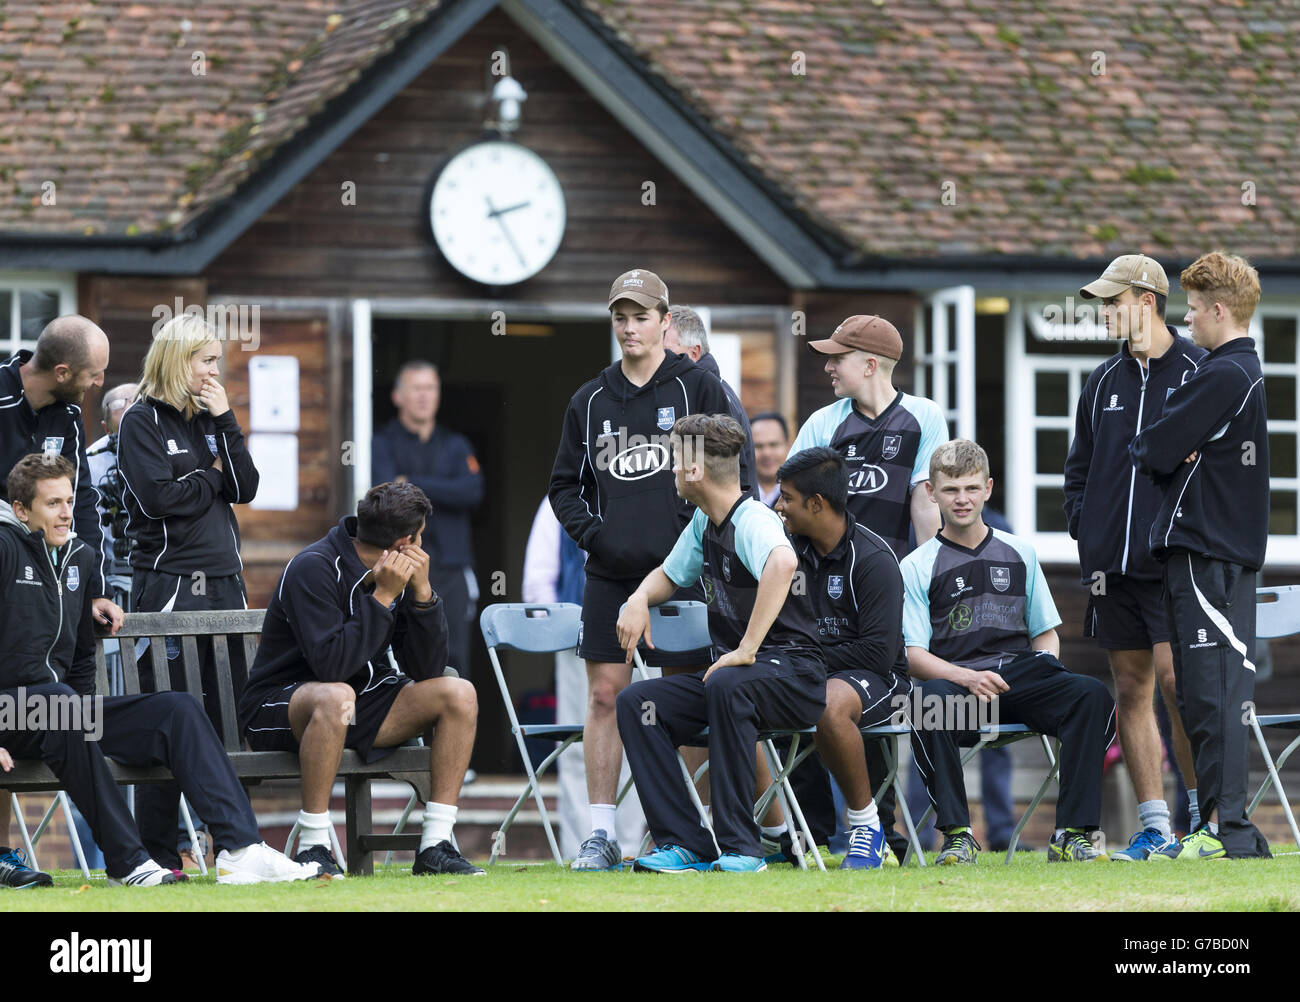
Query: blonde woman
(184, 463)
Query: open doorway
(507, 394)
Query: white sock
(1214, 828)
(774, 832)
(602, 819)
(313, 829)
(438, 819)
(1194, 810)
(868, 817)
(1155, 814)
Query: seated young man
(978, 618)
(770, 676)
(49, 655)
(853, 580)
(322, 681)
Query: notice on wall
(276, 458)
(273, 393)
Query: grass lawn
(1029, 884)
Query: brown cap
(865, 333)
(644, 288)
(1135, 270)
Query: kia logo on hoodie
(639, 462)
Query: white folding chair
(684, 626)
(1277, 614)
(29, 841)
(996, 736)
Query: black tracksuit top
(177, 503)
(612, 486)
(45, 611)
(322, 625)
(1110, 505)
(1218, 504)
(24, 431)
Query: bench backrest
(242, 626)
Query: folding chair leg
(1038, 797)
(28, 847)
(1274, 778)
(45, 821)
(73, 836)
(695, 799)
(534, 787)
(929, 811)
(890, 750)
(194, 838)
(401, 823)
(790, 802)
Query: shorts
(883, 698)
(268, 726)
(1129, 617)
(598, 638)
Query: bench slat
(130, 667)
(225, 689)
(162, 677)
(101, 670)
(190, 662)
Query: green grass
(1029, 884)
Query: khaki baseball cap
(1135, 270)
(644, 288)
(862, 333)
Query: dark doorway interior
(507, 394)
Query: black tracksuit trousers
(1211, 607)
(1045, 697)
(655, 716)
(167, 729)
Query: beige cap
(862, 333)
(644, 288)
(1135, 270)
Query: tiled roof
(143, 115)
(1066, 128)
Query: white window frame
(1023, 479)
(946, 347)
(18, 282)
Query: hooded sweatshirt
(45, 609)
(612, 486)
(322, 625)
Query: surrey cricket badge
(835, 585)
(1001, 577)
(667, 417)
(892, 444)
(74, 579)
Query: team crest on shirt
(212, 443)
(835, 585)
(892, 444)
(726, 566)
(74, 579)
(666, 418)
(1001, 577)
(53, 446)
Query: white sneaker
(147, 874)
(260, 864)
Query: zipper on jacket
(58, 580)
(1132, 472)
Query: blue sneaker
(14, 871)
(867, 849)
(734, 862)
(1141, 847)
(670, 859)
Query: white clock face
(497, 213)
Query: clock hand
(509, 208)
(494, 214)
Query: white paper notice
(276, 459)
(273, 393)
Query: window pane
(1280, 391)
(1053, 446)
(952, 388)
(1282, 513)
(6, 313)
(1051, 514)
(1281, 454)
(1052, 394)
(952, 327)
(1279, 339)
(37, 309)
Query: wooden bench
(407, 764)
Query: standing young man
(770, 673)
(1208, 454)
(979, 623)
(856, 588)
(612, 489)
(886, 437)
(771, 447)
(1110, 509)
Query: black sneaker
(959, 847)
(329, 866)
(443, 858)
(14, 871)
